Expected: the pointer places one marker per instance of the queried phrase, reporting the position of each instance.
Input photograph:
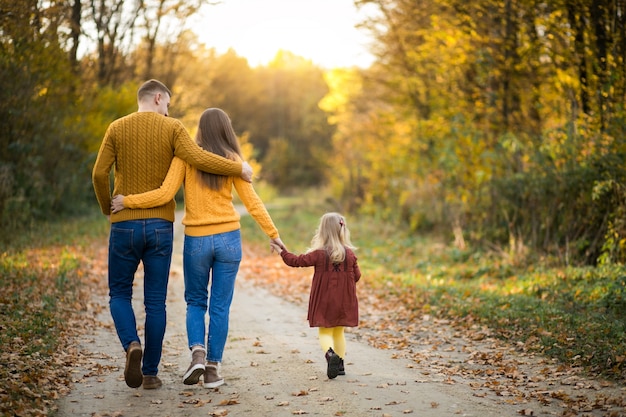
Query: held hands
(117, 203)
(277, 245)
(246, 172)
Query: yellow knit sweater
(207, 211)
(142, 146)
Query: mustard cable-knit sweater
(141, 146)
(207, 211)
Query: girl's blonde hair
(216, 135)
(333, 236)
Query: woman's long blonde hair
(216, 134)
(333, 236)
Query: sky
(320, 30)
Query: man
(141, 145)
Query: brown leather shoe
(132, 370)
(151, 382)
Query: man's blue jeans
(216, 256)
(148, 241)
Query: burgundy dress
(333, 301)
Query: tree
(42, 163)
(158, 13)
(114, 25)
(514, 110)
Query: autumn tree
(42, 161)
(513, 119)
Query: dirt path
(273, 366)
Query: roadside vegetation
(44, 275)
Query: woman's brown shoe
(196, 368)
(212, 378)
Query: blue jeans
(216, 256)
(148, 241)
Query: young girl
(212, 247)
(333, 303)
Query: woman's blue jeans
(216, 258)
(148, 241)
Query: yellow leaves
(565, 79)
(343, 84)
(229, 401)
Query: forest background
(497, 127)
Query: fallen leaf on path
(191, 401)
(230, 401)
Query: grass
(41, 272)
(575, 315)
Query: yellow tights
(333, 337)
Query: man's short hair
(150, 88)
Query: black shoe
(333, 363)
(342, 370)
